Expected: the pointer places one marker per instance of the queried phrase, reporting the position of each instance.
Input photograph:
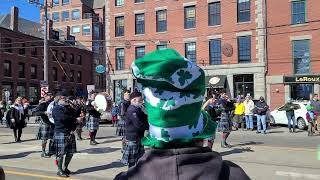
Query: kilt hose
(121, 127)
(46, 131)
(64, 143)
(92, 123)
(132, 151)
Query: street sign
(100, 69)
(44, 91)
(90, 88)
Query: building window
(55, 2)
(140, 51)
(79, 59)
(55, 35)
(215, 51)
(96, 47)
(119, 86)
(138, 1)
(120, 59)
(75, 29)
(21, 90)
(79, 77)
(190, 17)
(161, 46)
(65, 16)
(301, 91)
(243, 10)
(86, 30)
(64, 2)
(55, 74)
(75, 14)
(72, 75)
(298, 12)
(22, 50)
(34, 51)
(190, 51)
(139, 23)
(214, 10)
(119, 26)
(7, 68)
(161, 20)
(63, 56)
(7, 45)
(244, 49)
(33, 93)
(301, 56)
(33, 71)
(55, 17)
(21, 70)
(243, 84)
(119, 2)
(71, 59)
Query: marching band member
(64, 138)
(46, 128)
(93, 118)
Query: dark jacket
(40, 111)
(288, 107)
(211, 110)
(136, 123)
(19, 118)
(124, 107)
(261, 108)
(64, 119)
(198, 163)
(91, 111)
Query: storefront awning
(217, 81)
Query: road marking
(297, 175)
(36, 175)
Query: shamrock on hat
(173, 89)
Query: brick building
(86, 21)
(21, 57)
(293, 50)
(225, 37)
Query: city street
(277, 155)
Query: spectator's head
(126, 95)
(173, 88)
(18, 101)
(2, 175)
(261, 99)
(248, 97)
(136, 98)
(315, 97)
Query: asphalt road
(277, 155)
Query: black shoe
(19, 140)
(290, 131)
(252, 129)
(45, 155)
(96, 142)
(228, 145)
(258, 132)
(67, 171)
(62, 174)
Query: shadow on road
(110, 141)
(99, 168)
(236, 151)
(27, 140)
(274, 132)
(19, 155)
(107, 137)
(247, 143)
(99, 150)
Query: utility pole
(45, 37)
(46, 46)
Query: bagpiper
(93, 118)
(46, 128)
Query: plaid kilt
(121, 127)
(64, 143)
(93, 123)
(132, 151)
(46, 131)
(225, 124)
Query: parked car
(106, 117)
(279, 116)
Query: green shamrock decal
(169, 104)
(184, 94)
(165, 135)
(183, 76)
(159, 91)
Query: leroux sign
(302, 79)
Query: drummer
(93, 118)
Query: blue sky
(26, 10)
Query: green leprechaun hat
(173, 89)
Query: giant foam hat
(173, 89)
